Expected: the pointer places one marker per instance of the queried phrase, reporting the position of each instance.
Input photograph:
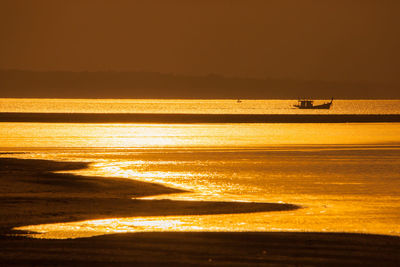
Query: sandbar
(32, 193)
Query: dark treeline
(109, 84)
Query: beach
(33, 194)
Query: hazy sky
(302, 39)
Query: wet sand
(193, 118)
(224, 249)
(31, 193)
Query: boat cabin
(309, 104)
(306, 103)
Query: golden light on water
(330, 191)
(324, 168)
(14, 135)
(190, 106)
(314, 217)
(111, 226)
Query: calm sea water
(346, 177)
(194, 106)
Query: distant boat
(309, 104)
(239, 101)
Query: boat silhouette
(309, 104)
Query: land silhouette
(147, 85)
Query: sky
(329, 40)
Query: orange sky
(336, 40)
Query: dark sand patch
(36, 178)
(224, 249)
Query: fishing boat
(309, 104)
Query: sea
(344, 176)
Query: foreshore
(194, 118)
(32, 193)
(30, 187)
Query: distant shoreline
(194, 118)
(148, 85)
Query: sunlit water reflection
(208, 106)
(345, 176)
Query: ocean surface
(210, 106)
(345, 176)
